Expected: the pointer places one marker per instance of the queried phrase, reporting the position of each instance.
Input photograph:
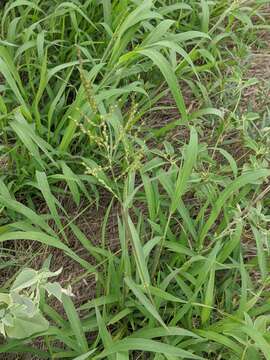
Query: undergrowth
(138, 118)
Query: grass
(134, 152)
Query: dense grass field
(134, 179)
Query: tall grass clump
(131, 117)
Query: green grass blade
(138, 254)
(144, 300)
(46, 240)
(72, 184)
(209, 297)
(185, 171)
(104, 333)
(44, 187)
(261, 253)
(86, 355)
(75, 323)
(205, 16)
(146, 345)
(160, 61)
(235, 185)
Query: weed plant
(143, 108)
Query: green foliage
(134, 117)
(20, 315)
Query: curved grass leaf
(166, 69)
(146, 345)
(247, 178)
